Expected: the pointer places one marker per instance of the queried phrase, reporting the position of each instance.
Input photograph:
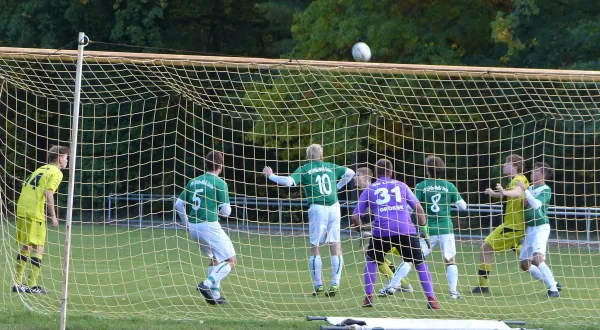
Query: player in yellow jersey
(509, 234)
(37, 196)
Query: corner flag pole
(81, 42)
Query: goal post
(148, 120)
(81, 43)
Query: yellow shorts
(504, 239)
(31, 231)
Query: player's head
(513, 165)
(214, 162)
(435, 167)
(314, 152)
(384, 168)
(541, 172)
(363, 176)
(59, 156)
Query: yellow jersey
(32, 202)
(514, 216)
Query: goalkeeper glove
(424, 231)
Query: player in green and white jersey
(537, 227)
(199, 206)
(437, 196)
(320, 182)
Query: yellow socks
(36, 262)
(484, 272)
(20, 267)
(404, 282)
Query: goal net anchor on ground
(361, 323)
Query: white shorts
(213, 240)
(535, 241)
(324, 223)
(447, 245)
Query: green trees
(521, 33)
(241, 27)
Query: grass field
(132, 278)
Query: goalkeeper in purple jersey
(388, 200)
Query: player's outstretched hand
(489, 191)
(499, 188)
(267, 171)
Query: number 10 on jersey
(324, 183)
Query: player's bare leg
(485, 257)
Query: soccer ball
(361, 52)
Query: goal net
(147, 121)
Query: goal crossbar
(293, 64)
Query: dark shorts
(408, 246)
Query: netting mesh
(147, 121)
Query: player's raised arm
(414, 203)
(490, 192)
(458, 200)
(223, 201)
(287, 181)
(515, 192)
(345, 177)
(360, 209)
(534, 203)
(180, 208)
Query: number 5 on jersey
(196, 199)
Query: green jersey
(319, 180)
(437, 197)
(538, 217)
(203, 196)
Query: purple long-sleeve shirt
(388, 199)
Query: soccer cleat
(558, 286)
(368, 302)
(207, 293)
(318, 290)
(38, 290)
(432, 303)
(386, 291)
(553, 294)
(404, 288)
(481, 289)
(454, 295)
(221, 301)
(20, 288)
(332, 291)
